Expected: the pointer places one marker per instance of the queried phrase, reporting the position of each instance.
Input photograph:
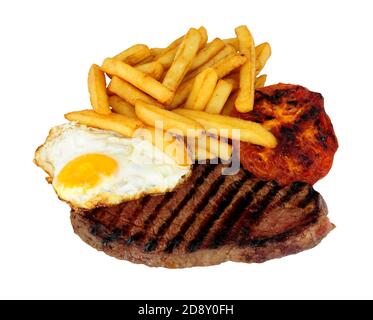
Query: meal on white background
(186, 158)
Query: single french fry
(225, 52)
(114, 122)
(232, 42)
(245, 98)
(128, 92)
(263, 53)
(228, 64)
(122, 106)
(139, 79)
(153, 69)
(175, 123)
(134, 54)
(97, 90)
(183, 59)
(207, 53)
(260, 81)
(219, 97)
(218, 124)
(203, 88)
(166, 142)
(230, 104)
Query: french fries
(134, 54)
(139, 79)
(230, 104)
(214, 147)
(128, 92)
(203, 82)
(216, 124)
(207, 53)
(245, 98)
(183, 59)
(182, 94)
(122, 107)
(219, 97)
(97, 90)
(198, 149)
(113, 122)
(260, 81)
(225, 52)
(175, 123)
(234, 80)
(263, 53)
(167, 143)
(167, 58)
(228, 64)
(153, 69)
(203, 88)
(232, 42)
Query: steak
(209, 219)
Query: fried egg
(91, 167)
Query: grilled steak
(209, 219)
(304, 132)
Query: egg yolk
(86, 171)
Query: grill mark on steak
(200, 204)
(257, 211)
(220, 235)
(153, 212)
(209, 170)
(224, 202)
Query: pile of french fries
(187, 89)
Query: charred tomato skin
(305, 135)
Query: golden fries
(260, 81)
(167, 143)
(203, 88)
(245, 98)
(113, 122)
(175, 123)
(128, 92)
(139, 79)
(225, 52)
(122, 107)
(183, 59)
(97, 90)
(219, 97)
(216, 147)
(153, 69)
(207, 53)
(263, 53)
(230, 104)
(232, 42)
(134, 54)
(227, 126)
(182, 94)
(228, 64)
(167, 58)
(234, 80)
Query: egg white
(142, 168)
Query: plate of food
(187, 157)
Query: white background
(46, 48)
